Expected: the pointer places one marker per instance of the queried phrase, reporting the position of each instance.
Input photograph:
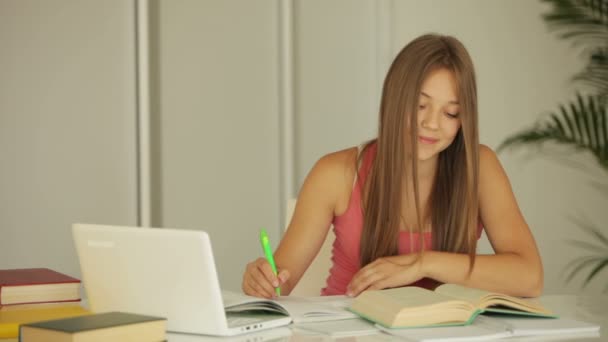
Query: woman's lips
(427, 140)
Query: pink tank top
(348, 228)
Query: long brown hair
(454, 195)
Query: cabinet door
(67, 125)
(215, 137)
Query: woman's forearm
(507, 273)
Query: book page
(484, 299)
(317, 309)
(410, 297)
(471, 295)
(237, 302)
(300, 309)
(231, 299)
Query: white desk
(583, 308)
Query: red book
(37, 285)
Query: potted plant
(582, 123)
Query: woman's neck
(426, 172)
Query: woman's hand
(260, 281)
(385, 273)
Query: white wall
(66, 126)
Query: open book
(300, 309)
(449, 304)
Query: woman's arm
(514, 269)
(322, 196)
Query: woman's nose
(430, 120)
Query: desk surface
(592, 309)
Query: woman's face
(438, 114)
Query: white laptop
(160, 272)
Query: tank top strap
(369, 154)
(359, 150)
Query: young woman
(409, 206)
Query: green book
(449, 304)
(110, 326)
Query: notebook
(167, 273)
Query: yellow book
(11, 320)
(449, 304)
(20, 307)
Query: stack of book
(36, 294)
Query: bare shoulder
(490, 168)
(486, 153)
(337, 167)
(488, 159)
(339, 160)
(335, 174)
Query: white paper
(341, 328)
(317, 309)
(501, 326)
(300, 309)
(532, 326)
(482, 329)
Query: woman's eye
(421, 106)
(452, 115)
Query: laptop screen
(160, 272)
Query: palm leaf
(580, 120)
(585, 22)
(600, 266)
(581, 125)
(579, 20)
(590, 229)
(596, 130)
(577, 265)
(598, 261)
(596, 72)
(602, 125)
(586, 245)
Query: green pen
(268, 252)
